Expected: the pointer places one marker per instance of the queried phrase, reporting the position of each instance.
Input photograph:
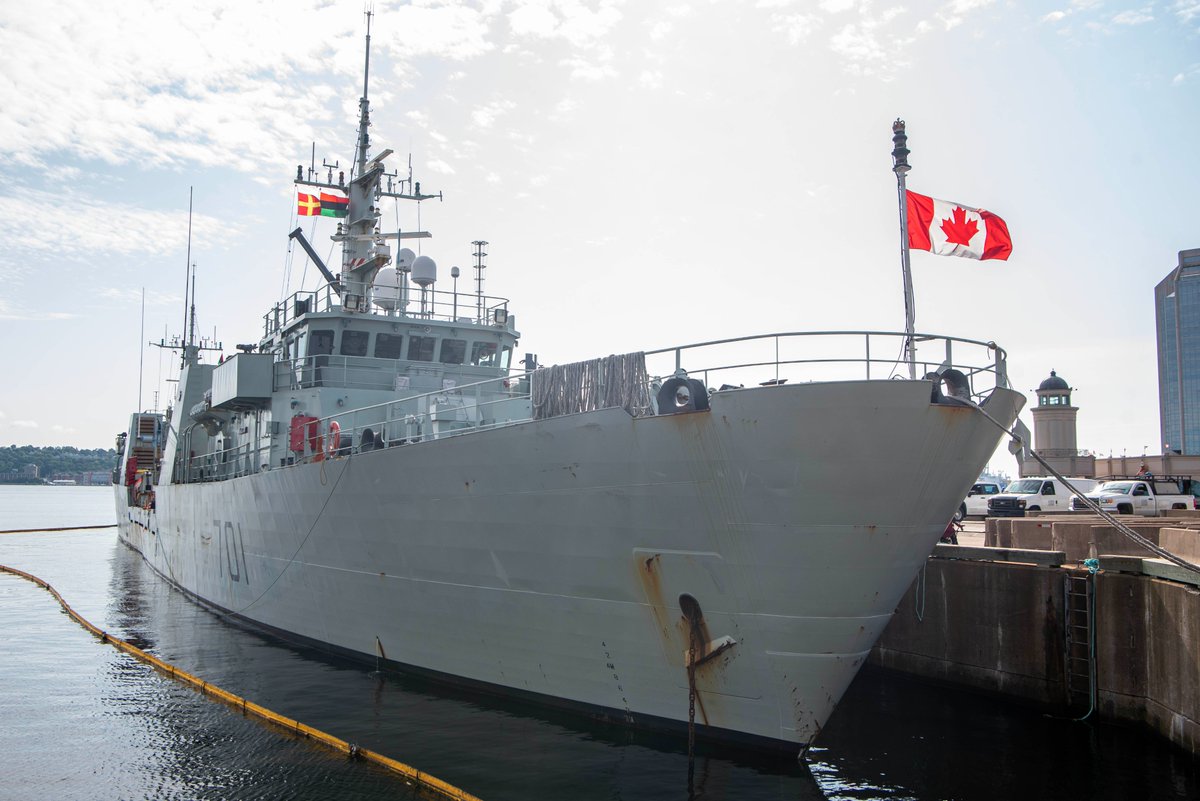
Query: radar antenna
(189, 350)
(480, 255)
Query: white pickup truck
(976, 502)
(1033, 495)
(1146, 497)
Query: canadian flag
(952, 229)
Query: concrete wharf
(1021, 616)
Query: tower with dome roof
(1054, 432)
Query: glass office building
(1177, 320)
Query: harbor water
(82, 720)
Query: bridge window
(453, 351)
(354, 343)
(388, 346)
(483, 354)
(320, 342)
(420, 349)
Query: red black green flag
(327, 205)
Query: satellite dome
(385, 291)
(424, 271)
(404, 259)
(1053, 383)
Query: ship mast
(364, 247)
(186, 343)
(364, 109)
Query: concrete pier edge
(995, 619)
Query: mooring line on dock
(60, 528)
(249, 708)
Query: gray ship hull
(548, 558)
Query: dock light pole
(900, 166)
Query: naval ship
(709, 535)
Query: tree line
(50, 460)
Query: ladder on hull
(1079, 623)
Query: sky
(647, 174)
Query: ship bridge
(317, 343)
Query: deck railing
(417, 304)
(799, 357)
(772, 359)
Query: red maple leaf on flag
(958, 229)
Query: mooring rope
(250, 708)
(60, 528)
(1153, 547)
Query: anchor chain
(691, 671)
(691, 699)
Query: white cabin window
(388, 346)
(420, 349)
(483, 354)
(453, 351)
(320, 342)
(354, 343)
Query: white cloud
(486, 115)
(954, 13)
(87, 226)
(134, 297)
(591, 70)
(650, 79)
(1076, 6)
(661, 29)
(439, 166)
(7, 312)
(796, 27)
(569, 20)
(1138, 17)
(868, 48)
(1185, 75)
(60, 429)
(24, 424)
(1186, 10)
(161, 85)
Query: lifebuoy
(334, 441)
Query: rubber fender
(957, 385)
(367, 441)
(699, 394)
(668, 396)
(936, 395)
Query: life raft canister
(303, 427)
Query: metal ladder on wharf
(1079, 619)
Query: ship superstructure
(618, 535)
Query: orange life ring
(334, 440)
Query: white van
(1033, 495)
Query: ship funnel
(424, 271)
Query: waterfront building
(1177, 324)
(1054, 432)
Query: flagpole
(900, 166)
